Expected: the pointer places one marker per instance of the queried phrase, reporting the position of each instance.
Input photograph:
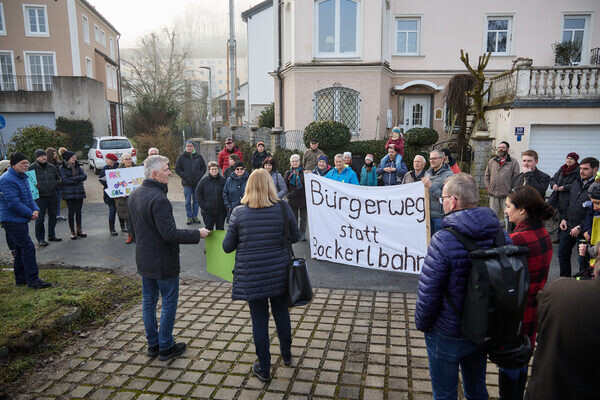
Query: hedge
(80, 132)
(330, 134)
(27, 140)
(419, 137)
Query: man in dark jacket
(444, 275)
(190, 166)
(48, 181)
(531, 175)
(157, 242)
(434, 182)
(573, 217)
(17, 208)
(390, 175)
(210, 197)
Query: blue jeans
(112, 210)
(436, 224)
(45, 204)
(446, 354)
(191, 201)
(259, 312)
(565, 248)
(169, 291)
(214, 221)
(25, 264)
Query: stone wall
(482, 148)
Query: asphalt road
(100, 250)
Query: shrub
(409, 156)
(266, 119)
(419, 137)
(330, 134)
(282, 158)
(80, 132)
(27, 140)
(364, 147)
(161, 138)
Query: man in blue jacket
(17, 208)
(387, 168)
(341, 172)
(445, 274)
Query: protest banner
(381, 228)
(218, 262)
(121, 182)
(32, 179)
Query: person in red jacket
(230, 148)
(448, 159)
(397, 140)
(526, 208)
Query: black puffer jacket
(261, 258)
(560, 200)
(191, 168)
(210, 194)
(157, 239)
(102, 178)
(48, 179)
(575, 212)
(72, 181)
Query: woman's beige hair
(122, 164)
(260, 190)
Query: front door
(113, 119)
(416, 112)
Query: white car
(103, 145)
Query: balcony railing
(25, 82)
(595, 56)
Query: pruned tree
(478, 92)
(458, 102)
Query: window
(407, 36)
(574, 30)
(103, 37)
(89, 71)
(2, 23)
(36, 23)
(111, 41)
(111, 77)
(338, 104)
(337, 28)
(7, 71)
(499, 35)
(114, 77)
(85, 26)
(115, 144)
(220, 81)
(96, 33)
(41, 68)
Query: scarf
(416, 177)
(369, 167)
(295, 178)
(567, 169)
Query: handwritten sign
(122, 181)
(382, 228)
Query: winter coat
(565, 365)
(224, 154)
(533, 235)
(258, 158)
(398, 145)
(191, 168)
(209, 193)
(16, 202)
(295, 194)
(322, 172)
(575, 213)
(368, 178)
(560, 200)
(346, 176)
(446, 268)
(48, 180)
(279, 182)
(498, 179)
(536, 179)
(310, 159)
(413, 177)
(233, 191)
(72, 181)
(455, 168)
(391, 178)
(102, 178)
(435, 191)
(157, 239)
(122, 203)
(261, 257)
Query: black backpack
(495, 299)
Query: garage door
(554, 142)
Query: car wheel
(90, 166)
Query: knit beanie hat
(112, 156)
(39, 153)
(16, 158)
(260, 144)
(239, 164)
(369, 157)
(324, 158)
(67, 155)
(574, 156)
(594, 191)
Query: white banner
(121, 181)
(381, 227)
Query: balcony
(525, 82)
(36, 83)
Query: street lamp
(210, 124)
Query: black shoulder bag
(298, 282)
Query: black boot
(111, 227)
(123, 226)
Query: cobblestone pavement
(346, 345)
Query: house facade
(58, 59)
(382, 63)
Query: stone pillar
(253, 129)
(276, 138)
(209, 150)
(482, 149)
(523, 77)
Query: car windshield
(114, 144)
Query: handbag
(299, 289)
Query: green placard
(218, 262)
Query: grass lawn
(24, 310)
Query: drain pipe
(279, 61)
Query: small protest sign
(32, 179)
(121, 182)
(218, 262)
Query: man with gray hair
(152, 151)
(434, 181)
(157, 242)
(418, 172)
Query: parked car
(103, 145)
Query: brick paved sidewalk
(346, 344)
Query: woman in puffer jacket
(271, 166)
(72, 177)
(122, 202)
(235, 187)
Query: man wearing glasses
(434, 181)
(499, 174)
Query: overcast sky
(134, 18)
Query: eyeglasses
(441, 199)
(434, 158)
(239, 169)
